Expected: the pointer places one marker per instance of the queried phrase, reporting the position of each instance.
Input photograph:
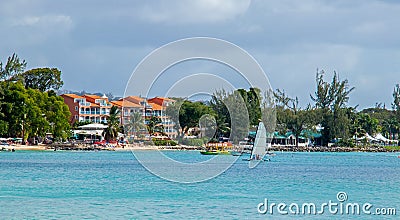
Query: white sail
(260, 145)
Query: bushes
(346, 143)
(164, 142)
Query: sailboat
(260, 145)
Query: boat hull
(218, 152)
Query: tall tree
(42, 79)
(331, 99)
(222, 119)
(292, 115)
(12, 68)
(155, 125)
(252, 100)
(396, 101)
(190, 114)
(111, 131)
(29, 113)
(135, 123)
(232, 117)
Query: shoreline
(185, 147)
(76, 147)
(371, 149)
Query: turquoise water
(113, 185)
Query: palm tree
(135, 123)
(111, 132)
(154, 125)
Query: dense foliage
(340, 123)
(27, 111)
(158, 142)
(112, 129)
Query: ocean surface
(114, 185)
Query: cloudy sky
(97, 44)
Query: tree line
(328, 109)
(29, 105)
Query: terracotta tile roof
(156, 106)
(126, 103)
(74, 96)
(92, 96)
(94, 104)
(160, 100)
(134, 99)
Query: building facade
(90, 108)
(159, 106)
(96, 109)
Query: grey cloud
(104, 40)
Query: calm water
(113, 185)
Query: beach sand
(24, 147)
(129, 147)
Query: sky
(97, 44)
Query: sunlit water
(113, 185)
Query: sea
(115, 185)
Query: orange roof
(160, 100)
(134, 99)
(94, 104)
(126, 103)
(92, 96)
(74, 96)
(156, 106)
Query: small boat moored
(217, 149)
(215, 152)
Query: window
(76, 116)
(76, 108)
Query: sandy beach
(24, 147)
(129, 147)
(136, 147)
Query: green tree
(396, 98)
(12, 68)
(58, 116)
(367, 124)
(290, 114)
(331, 99)
(155, 125)
(42, 79)
(252, 99)
(222, 116)
(239, 123)
(396, 101)
(190, 114)
(135, 123)
(29, 113)
(111, 131)
(232, 117)
(391, 127)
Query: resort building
(147, 110)
(92, 108)
(96, 109)
(159, 105)
(126, 109)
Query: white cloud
(46, 21)
(195, 11)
